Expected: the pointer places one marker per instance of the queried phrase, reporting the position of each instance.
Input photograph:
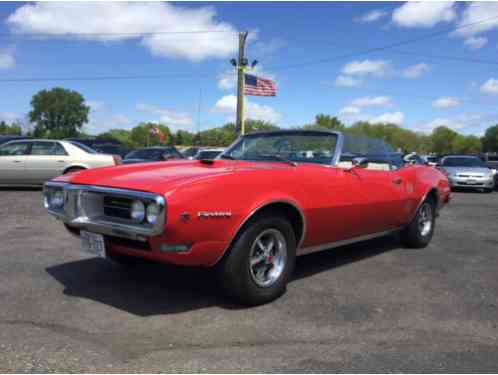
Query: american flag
(257, 86)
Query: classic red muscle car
(268, 198)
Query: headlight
(493, 172)
(54, 198)
(153, 211)
(138, 211)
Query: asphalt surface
(372, 307)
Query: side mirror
(360, 162)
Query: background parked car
(8, 138)
(432, 160)
(103, 146)
(466, 171)
(414, 158)
(190, 152)
(208, 153)
(491, 160)
(34, 161)
(149, 154)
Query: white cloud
(227, 105)
(446, 102)
(7, 59)
(167, 116)
(266, 48)
(372, 101)
(349, 110)
(389, 117)
(475, 42)
(490, 87)
(474, 14)
(95, 105)
(347, 81)
(371, 16)
(430, 126)
(112, 21)
(424, 14)
(367, 67)
(9, 116)
(415, 71)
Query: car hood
(467, 170)
(161, 177)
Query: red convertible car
(268, 198)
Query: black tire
(237, 276)
(489, 190)
(73, 169)
(415, 235)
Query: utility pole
(241, 65)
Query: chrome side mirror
(360, 162)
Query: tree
(490, 139)
(442, 140)
(141, 135)
(58, 113)
(466, 144)
(326, 122)
(123, 136)
(12, 129)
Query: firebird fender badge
(213, 214)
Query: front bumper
(83, 210)
(472, 182)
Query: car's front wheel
(419, 232)
(260, 262)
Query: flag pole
(241, 64)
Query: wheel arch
(287, 208)
(72, 166)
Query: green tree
(141, 135)
(466, 144)
(123, 136)
(58, 113)
(442, 140)
(326, 122)
(490, 139)
(12, 129)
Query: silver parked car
(34, 161)
(467, 172)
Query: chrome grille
(119, 207)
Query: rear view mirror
(360, 162)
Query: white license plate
(471, 182)
(92, 243)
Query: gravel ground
(373, 307)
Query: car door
(13, 162)
(46, 160)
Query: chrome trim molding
(74, 215)
(331, 245)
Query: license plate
(471, 182)
(93, 243)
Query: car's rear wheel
(260, 262)
(419, 232)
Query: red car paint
(336, 204)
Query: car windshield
(295, 146)
(83, 147)
(463, 162)
(149, 154)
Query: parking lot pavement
(370, 307)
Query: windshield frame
(316, 132)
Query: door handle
(17, 161)
(397, 180)
(60, 161)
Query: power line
(454, 58)
(380, 48)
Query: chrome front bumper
(472, 182)
(83, 209)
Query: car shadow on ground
(157, 289)
(21, 188)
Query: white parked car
(34, 161)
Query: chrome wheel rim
(425, 219)
(267, 257)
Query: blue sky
(314, 51)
